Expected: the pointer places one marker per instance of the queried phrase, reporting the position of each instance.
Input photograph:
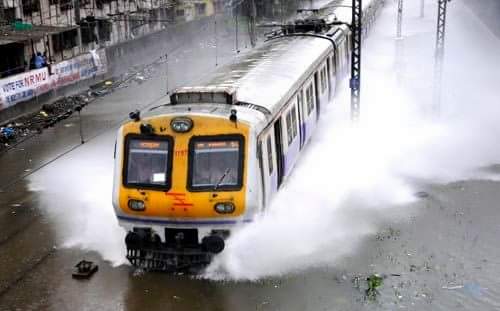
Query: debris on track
(24, 127)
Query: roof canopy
(9, 35)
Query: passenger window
(294, 121)
(148, 162)
(270, 154)
(215, 162)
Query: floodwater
(332, 226)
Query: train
(213, 157)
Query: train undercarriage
(181, 251)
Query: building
(64, 29)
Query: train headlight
(224, 207)
(136, 205)
(181, 124)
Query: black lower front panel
(168, 259)
(181, 250)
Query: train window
(270, 154)
(294, 121)
(215, 163)
(148, 162)
(310, 99)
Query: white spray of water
(75, 192)
(349, 174)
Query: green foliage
(374, 281)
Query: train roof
(263, 79)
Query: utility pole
(252, 15)
(422, 7)
(236, 33)
(439, 56)
(2, 14)
(400, 19)
(355, 82)
(215, 34)
(166, 73)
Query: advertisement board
(24, 86)
(79, 68)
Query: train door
(329, 77)
(324, 85)
(302, 112)
(316, 92)
(290, 136)
(269, 166)
(333, 75)
(309, 108)
(278, 142)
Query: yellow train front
(181, 184)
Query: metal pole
(236, 34)
(422, 8)
(166, 71)
(252, 15)
(215, 33)
(355, 82)
(439, 56)
(400, 19)
(79, 108)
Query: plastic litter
(422, 194)
(474, 289)
(7, 133)
(453, 287)
(84, 269)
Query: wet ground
(438, 253)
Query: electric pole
(215, 35)
(439, 56)
(236, 33)
(355, 82)
(252, 16)
(400, 19)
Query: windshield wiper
(222, 178)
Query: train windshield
(216, 163)
(148, 162)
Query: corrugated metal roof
(8, 35)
